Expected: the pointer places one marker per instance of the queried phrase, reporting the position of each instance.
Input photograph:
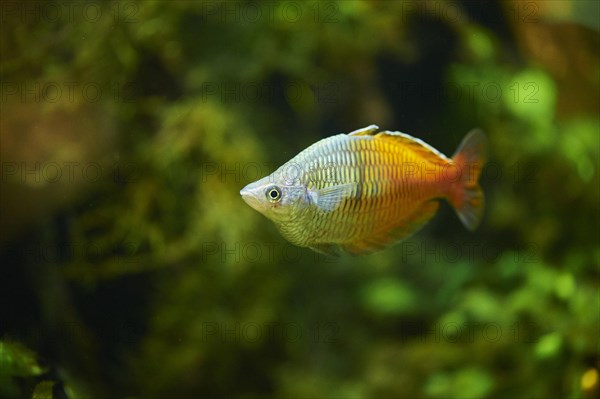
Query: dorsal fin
(398, 138)
(411, 143)
(365, 131)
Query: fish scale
(362, 191)
(378, 188)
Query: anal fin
(326, 249)
(389, 235)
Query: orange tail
(465, 195)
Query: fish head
(275, 197)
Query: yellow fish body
(363, 191)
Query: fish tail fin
(465, 194)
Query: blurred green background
(131, 268)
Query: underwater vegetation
(132, 268)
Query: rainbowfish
(363, 191)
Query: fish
(361, 192)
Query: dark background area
(130, 266)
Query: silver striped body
(383, 197)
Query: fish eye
(274, 194)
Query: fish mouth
(250, 198)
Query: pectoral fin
(330, 198)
